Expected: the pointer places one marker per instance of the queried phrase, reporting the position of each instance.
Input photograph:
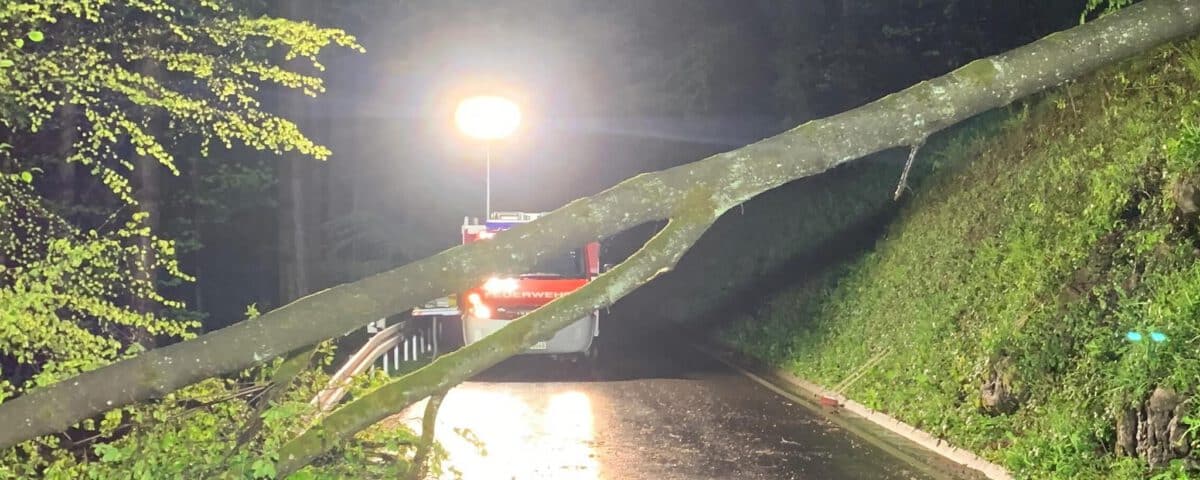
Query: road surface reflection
(491, 431)
(649, 412)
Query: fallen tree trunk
(660, 254)
(902, 119)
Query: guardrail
(408, 341)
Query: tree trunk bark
(149, 198)
(293, 225)
(707, 187)
(294, 202)
(149, 201)
(195, 177)
(67, 136)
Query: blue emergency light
(495, 226)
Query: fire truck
(506, 296)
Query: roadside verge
(905, 441)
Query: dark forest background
(610, 89)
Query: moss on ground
(1025, 258)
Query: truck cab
(506, 296)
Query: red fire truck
(506, 296)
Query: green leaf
(20, 42)
(36, 36)
(302, 475)
(26, 177)
(5, 63)
(108, 453)
(263, 469)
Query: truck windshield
(568, 265)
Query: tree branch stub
(912, 156)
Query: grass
(786, 234)
(1026, 254)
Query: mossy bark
(420, 463)
(728, 179)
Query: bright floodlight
(487, 117)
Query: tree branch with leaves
(121, 86)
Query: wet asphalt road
(648, 412)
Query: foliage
(1101, 7)
(1030, 255)
(112, 81)
(62, 307)
(194, 433)
(93, 59)
(216, 60)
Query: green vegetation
(98, 98)
(91, 85)
(111, 89)
(786, 234)
(201, 432)
(1021, 262)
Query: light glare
(482, 312)
(500, 285)
(502, 431)
(487, 117)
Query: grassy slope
(1030, 252)
(780, 236)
